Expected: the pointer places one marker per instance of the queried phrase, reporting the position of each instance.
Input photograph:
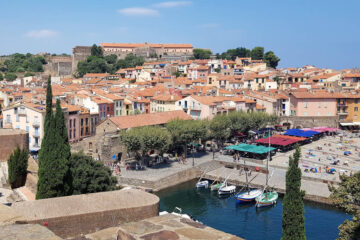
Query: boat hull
(248, 197)
(226, 190)
(202, 184)
(216, 187)
(267, 199)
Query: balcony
(36, 124)
(36, 134)
(342, 113)
(22, 113)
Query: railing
(36, 134)
(342, 113)
(36, 124)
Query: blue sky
(325, 33)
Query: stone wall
(82, 214)
(309, 122)
(80, 53)
(10, 139)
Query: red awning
(276, 141)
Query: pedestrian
(234, 157)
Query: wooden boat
(267, 199)
(226, 189)
(216, 187)
(248, 196)
(202, 184)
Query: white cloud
(173, 4)
(41, 34)
(138, 11)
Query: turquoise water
(245, 221)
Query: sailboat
(249, 195)
(267, 198)
(202, 184)
(226, 189)
(216, 184)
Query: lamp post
(193, 160)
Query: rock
(162, 235)
(193, 233)
(140, 228)
(105, 234)
(192, 223)
(124, 236)
(26, 231)
(173, 223)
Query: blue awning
(300, 133)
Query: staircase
(209, 166)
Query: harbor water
(245, 220)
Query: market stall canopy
(300, 133)
(251, 148)
(277, 141)
(290, 137)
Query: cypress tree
(293, 220)
(54, 176)
(17, 167)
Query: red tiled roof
(152, 119)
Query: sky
(324, 33)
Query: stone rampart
(82, 214)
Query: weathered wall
(10, 139)
(82, 214)
(80, 53)
(309, 122)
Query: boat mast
(246, 176)
(267, 162)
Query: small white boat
(248, 196)
(202, 184)
(227, 189)
(178, 212)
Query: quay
(222, 166)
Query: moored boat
(226, 189)
(267, 199)
(202, 184)
(248, 196)
(216, 187)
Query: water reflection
(245, 220)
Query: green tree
(184, 132)
(54, 175)
(17, 167)
(271, 59)
(29, 74)
(10, 76)
(111, 59)
(257, 53)
(232, 54)
(347, 197)
(90, 176)
(219, 128)
(293, 219)
(96, 51)
(200, 53)
(1, 77)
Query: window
(74, 133)
(116, 112)
(8, 119)
(70, 123)
(355, 117)
(306, 104)
(70, 135)
(74, 123)
(356, 109)
(17, 118)
(305, 114)
(37, 131)
(17, 127)
(319, 104)
(86, 121)
(325, 104)
(29, 139)
(27, 119)
(319, 114)
(356, 101)
(27, 128)
(82, 122)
